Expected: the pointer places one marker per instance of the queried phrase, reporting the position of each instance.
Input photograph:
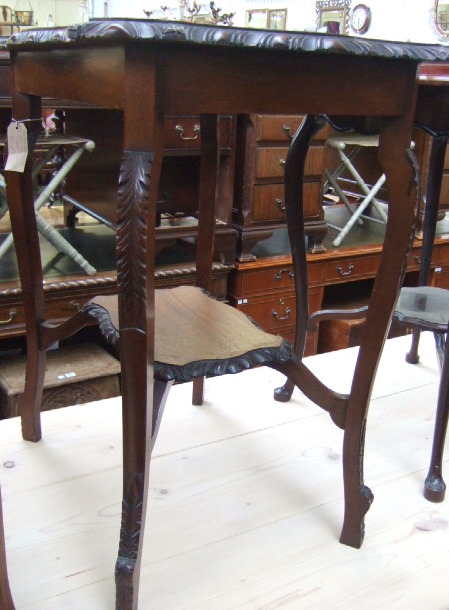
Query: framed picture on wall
(257, 18)
(277, 20)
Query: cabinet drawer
(263, 281)
(269, 201)
(12, 318)
(275, 128)
(270, 161)
(183, 132)
(414, 259)
(352, 269)
(271, 314)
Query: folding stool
(355, 142)
(52, 143)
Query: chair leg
(6, 602)
(412, 356)
(434, 486)
(198, 391)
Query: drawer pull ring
(12, 315)
(280, 204)
(281, 272)
(288, 130)
(180, 131)
(343, 273)
(282, 162)
(280, 318)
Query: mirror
(440, 19)
(332, 16)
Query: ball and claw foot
(434, 488)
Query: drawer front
(271, 314)
(414, 259)
(441, 255)
(269, 201)
(267, 280)
(270, 161)
(352, 269)
(183, 132)
(12, 320)
(276, 128)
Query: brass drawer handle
(280, 204)
(12, 315)
(278, 275)
(282, 162)
(417, 259)
(74, 305)
(343, 273)
(180, 131)
(276, 314)
(288, 130)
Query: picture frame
(257, 18)
(277, 19)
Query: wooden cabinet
(259, 206)
(264, 289)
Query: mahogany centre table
(148, 69)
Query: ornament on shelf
(23, 12)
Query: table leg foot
(434, 487)
(127, 567)
(284, 393)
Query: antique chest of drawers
(259, 206)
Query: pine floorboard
(245, 499)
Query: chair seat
(197, 335)
(424, 306)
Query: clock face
(360, 18)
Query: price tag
(17, 147)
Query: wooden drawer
(12, 320)
(414, 259)
(270, 161)
(244, 284)
(272, 314)
(183, 132)
(269, 200)
(345, 270)
(441, 255)
(275, 128)
(12, 317)
(278, 311)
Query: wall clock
(360, 18)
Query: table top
(177, 32)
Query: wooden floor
(245, 502)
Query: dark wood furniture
(107, 63)
(259, 203)
(265, 288)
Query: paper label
(17, 147)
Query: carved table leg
(401, 175)
(23, 221)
